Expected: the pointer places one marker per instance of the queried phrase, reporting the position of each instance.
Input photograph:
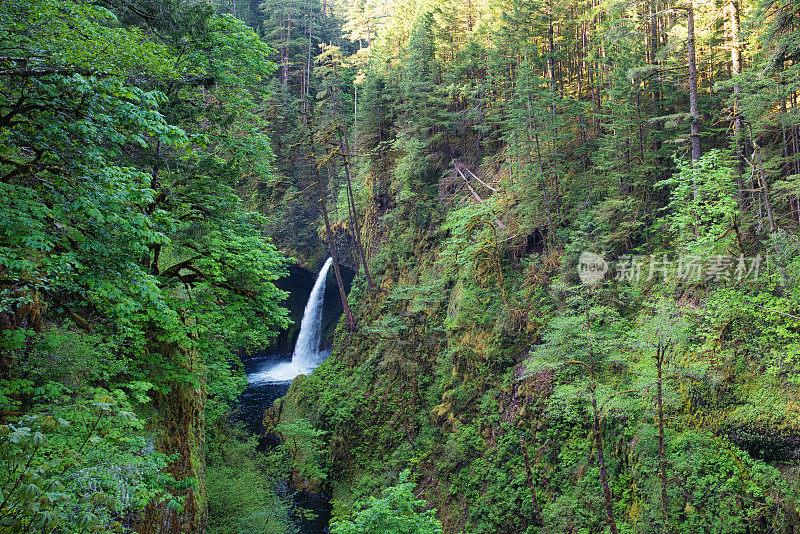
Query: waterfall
(306, 354)
(306, 350)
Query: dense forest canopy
(130, 267)
(575, 226)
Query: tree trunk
(601, 463)
(736, 69)
(355, 117)
(181, 430)
(595, 101)
(537, 513)
(597, 436)
(551, 230)
(653, 55)
(344, 151)
(662, 457)
(762, 182)
(285, 59)
(795, 139)
(551, 50)
(307, 88)
(351, 322)
(694, 111)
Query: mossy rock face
(308, 485)
(444, 413)
(344, 244)
(292, 404)
(180, 427)
(765, 444)
(272, 416)
(286, 409)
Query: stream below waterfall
(252, 403)
(270, 372)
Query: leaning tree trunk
(344, 151)
(351, 322)
(180, 429)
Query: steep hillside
(472, 364)
(580, 222)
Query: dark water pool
(260, 395)
(252, 402)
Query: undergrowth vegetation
(248, 487)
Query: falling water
(306, 354)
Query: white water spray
(306, 354)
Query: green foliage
(305, 444)
(102, 47)
(479, 368)
(704, 206)
(130, 269)
(77, 466)
(246, 487)
(396, 512)
(709, 467)
(80, 457)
